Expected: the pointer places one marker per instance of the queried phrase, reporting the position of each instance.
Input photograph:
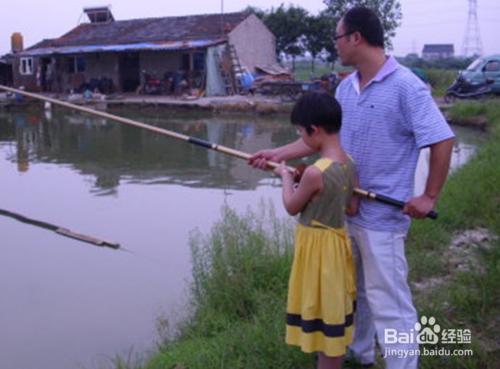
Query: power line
(472, 40)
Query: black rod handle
(390, 201)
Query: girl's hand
(281, 170)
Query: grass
(240, 273)
(470, 109)
(440, 79)
(240, 277)
(471, 299)
(303, 70)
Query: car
(483, 69)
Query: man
(388, 116)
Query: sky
(424, 21)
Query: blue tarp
(157, 46)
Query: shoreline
(258, 104)
(239, 104)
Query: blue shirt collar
(389, 67)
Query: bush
(441, 79)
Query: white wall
(254, 43)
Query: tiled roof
(149, 30)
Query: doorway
(129, 71)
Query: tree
(318, 35)
(261, 14)
(297, 31)
(389, 12)
(287, 24)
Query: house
(201, 51)
(438, 51)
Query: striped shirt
(383, 128)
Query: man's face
(343, 44)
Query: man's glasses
(338, 37)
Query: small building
(438, 51)
(205, 52)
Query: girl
(321, 297)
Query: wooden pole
(197, 141)
(60, 230)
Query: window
(75, 64)
(199, 61)
(26, 66)
(185, 62)
(475, 65)
(492, 66)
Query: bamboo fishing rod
(60, 230)
(197, 141)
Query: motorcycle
(461, 88)
(151, 85)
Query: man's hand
(294, 150)
(418, 207)
(260, 158)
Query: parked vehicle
(481, 77)
(151, 85)
(463, 89)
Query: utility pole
(222, 17)
(472, 45)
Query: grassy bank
(240, 276)
(440, 80)
(240, 273)
(466, 298)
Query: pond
(67, 304)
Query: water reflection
(112, 152)
(463, 149)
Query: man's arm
(296, 149)
(420, 206)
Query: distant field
(303, 69)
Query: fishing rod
(200, 142)
(60, 230)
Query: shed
(207, 51)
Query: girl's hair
(318, 109)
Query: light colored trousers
(383, 297)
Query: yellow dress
(321, 294)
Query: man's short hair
(367, 23)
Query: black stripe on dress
(318, 325)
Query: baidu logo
(427, 330)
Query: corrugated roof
(206, 26)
